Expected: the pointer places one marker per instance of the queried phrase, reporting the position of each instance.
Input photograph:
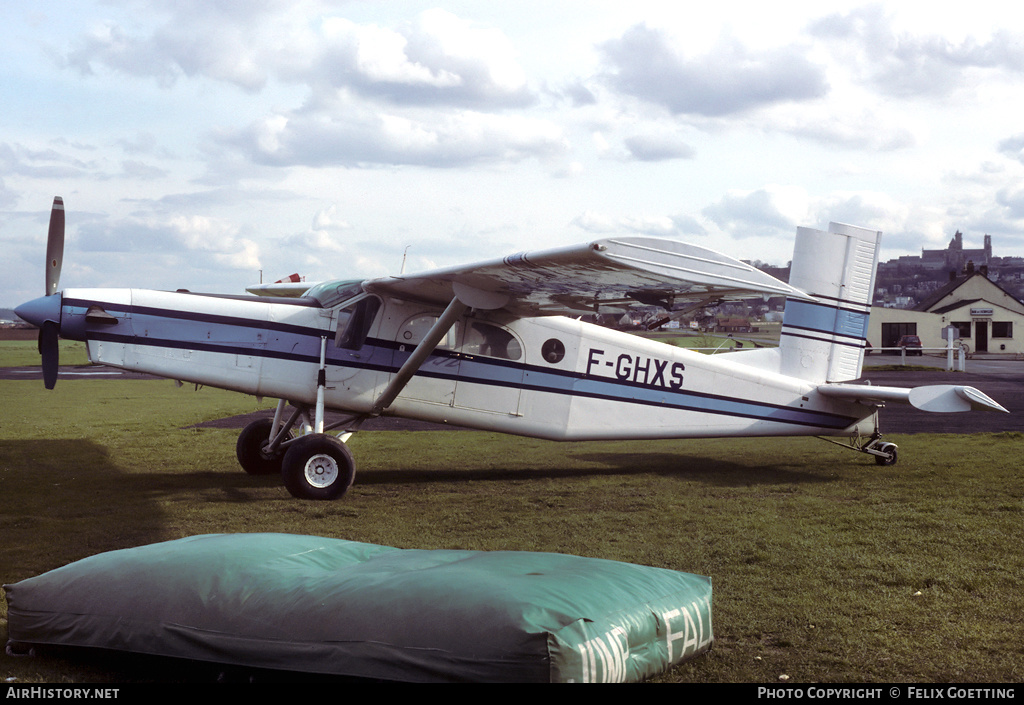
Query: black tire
(249, 449)
(890, 456)
(318, 466)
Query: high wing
(602, 276)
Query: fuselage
(549, 377)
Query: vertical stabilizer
(825, 341)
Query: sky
(214, 144)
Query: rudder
(825, 341)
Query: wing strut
(438, 331)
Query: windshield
(332, 293)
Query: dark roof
(955, 305)
(939, 294)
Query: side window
(415, 329)
(491, 341)
(354, 323)
(553, 350)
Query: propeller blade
(48, 335)
(55, 246)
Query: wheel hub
(321, 471)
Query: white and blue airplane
(499, 346)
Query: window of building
(1002, 329)
(963, 328)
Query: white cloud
(677, 227)
(647, 64)
(909, 64)
(656, 147)
(379, 55)
(761, 211)
(349, 137)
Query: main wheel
(250, 449)
(890, 454)
(318, 466)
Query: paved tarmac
(1001, 379)
(68, 372)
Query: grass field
(826, 567)
(21, 353)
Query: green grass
(826, 567)
(25, 353)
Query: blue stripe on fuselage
(302, 344)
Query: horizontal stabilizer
(952, 397)
(942, 398)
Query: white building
(989, 319)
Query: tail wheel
(318, 466)
(890, 454)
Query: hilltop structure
(955, 258)
(907, 281)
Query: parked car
(912, 343)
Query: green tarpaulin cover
(319, 605)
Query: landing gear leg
(261, 445)
(252, 452)
(312, 465)
(885, 453)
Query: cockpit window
(354, 323)
(330, 294)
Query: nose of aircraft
(44, 314)
(38, 311)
